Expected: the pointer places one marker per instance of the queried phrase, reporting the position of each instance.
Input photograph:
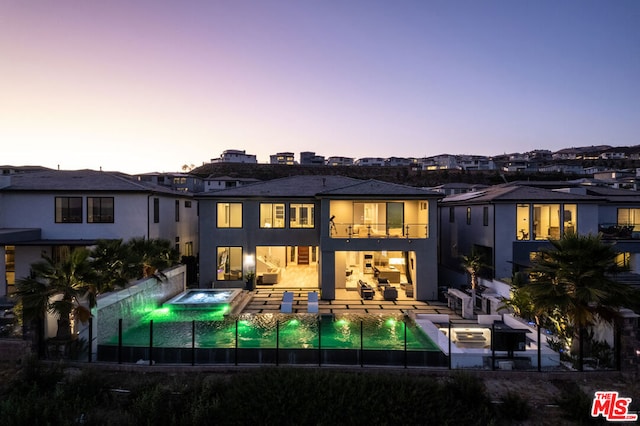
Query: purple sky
(141, 86)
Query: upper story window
(485, 216)
(452, 214)
(550, 221)
(187, 204)
(100, 210)
(177, 209)
(468, 215)
(522, 222)
(229, 215)
(546, 221)
(68, 210)
(156, 210)
(378, 219)
(271, 215)
(569, 215)
(301, 215)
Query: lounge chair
(312, 302)
(287, 303)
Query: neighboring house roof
(614, 194)
(231, 179)
(319, 185)
(378, 188)
(82, 180)
(511, 194)
(293, 186)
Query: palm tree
(61, 288)
(153, 255)
(114, 264)
(572, 285)
(473, 264)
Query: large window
(522, 222)
(229, 215)
(550, 221)
(271, 215)
(301, 215)
(68, 210)
(629, 217)
(546, 221)
(569, 216)
(229, 264)
(177, 213)
(100, 209)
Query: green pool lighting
(391, 322)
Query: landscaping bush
(262, 396)
(514, 407)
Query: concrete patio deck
(268, 300)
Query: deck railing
(378, 230)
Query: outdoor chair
(287, 302)
(312, 302)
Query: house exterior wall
(248, 236)
(133, 217)
(331, 248)
(458, 238)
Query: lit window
(546, 221)
(301, 215)
(229, 215)
(522, 222)
(229, 261)
(271, 215)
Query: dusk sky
(141, 86)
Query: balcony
(378, 230)
(613, 231)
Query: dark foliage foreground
(41, 395)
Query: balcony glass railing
(618, 231)
(378, 230)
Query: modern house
(308, 158)
(510, 223)
(286, 158)
(216, 183)
(339, 161)
(325, 232)
(177, 181)
(235, 156)
(53, 211)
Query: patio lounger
(312, 302)
(287, 302)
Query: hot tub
(204, 298)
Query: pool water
(173, 329)
(204, 298)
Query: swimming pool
(214, 338)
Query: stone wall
(132, 303)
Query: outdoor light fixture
(249, 261)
